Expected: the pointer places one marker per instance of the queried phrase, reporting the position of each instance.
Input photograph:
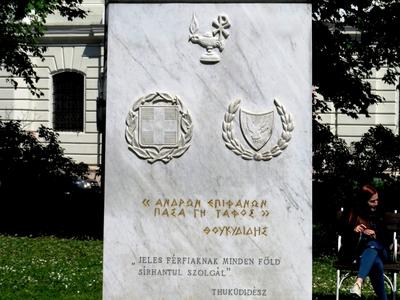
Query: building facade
(71, 81)
(385, 113)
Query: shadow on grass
(323, 297)
(342, 297)
(318, 296)
(74, 213)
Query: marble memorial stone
(208, 152)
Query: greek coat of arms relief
(210, 40)
(257, 129)
(158, 128)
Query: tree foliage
(376, 155)
(40, 160)
(340, 170)
(39, 191)
(22, 24)
(350, 39)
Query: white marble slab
(267, 56)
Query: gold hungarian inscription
(180, 266)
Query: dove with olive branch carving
(210, 40)
(257, 131)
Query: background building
(385, 113)
(71, 80)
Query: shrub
(36, 182)
(340, 170)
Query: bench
(391, 268)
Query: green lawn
(324, 282)
(50, 268)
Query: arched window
(68, 101)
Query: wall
(385, 113)
(72, 46)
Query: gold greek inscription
(221, 203)
(199, 213)
(176, 202)
(233, 213)
(227, 209)
(237, 230)
(169, 212)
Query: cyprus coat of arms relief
(158, 128)
(210, 40)
(257, 130)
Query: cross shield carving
(158, 128)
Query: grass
(324, 278)
(67, 269)
(324, 282)
(50, 268)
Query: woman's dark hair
(366, 192)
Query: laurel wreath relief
(154, 154)
(248, 153)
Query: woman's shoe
(356, 290)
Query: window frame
(53, 103)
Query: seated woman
(365, 239)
